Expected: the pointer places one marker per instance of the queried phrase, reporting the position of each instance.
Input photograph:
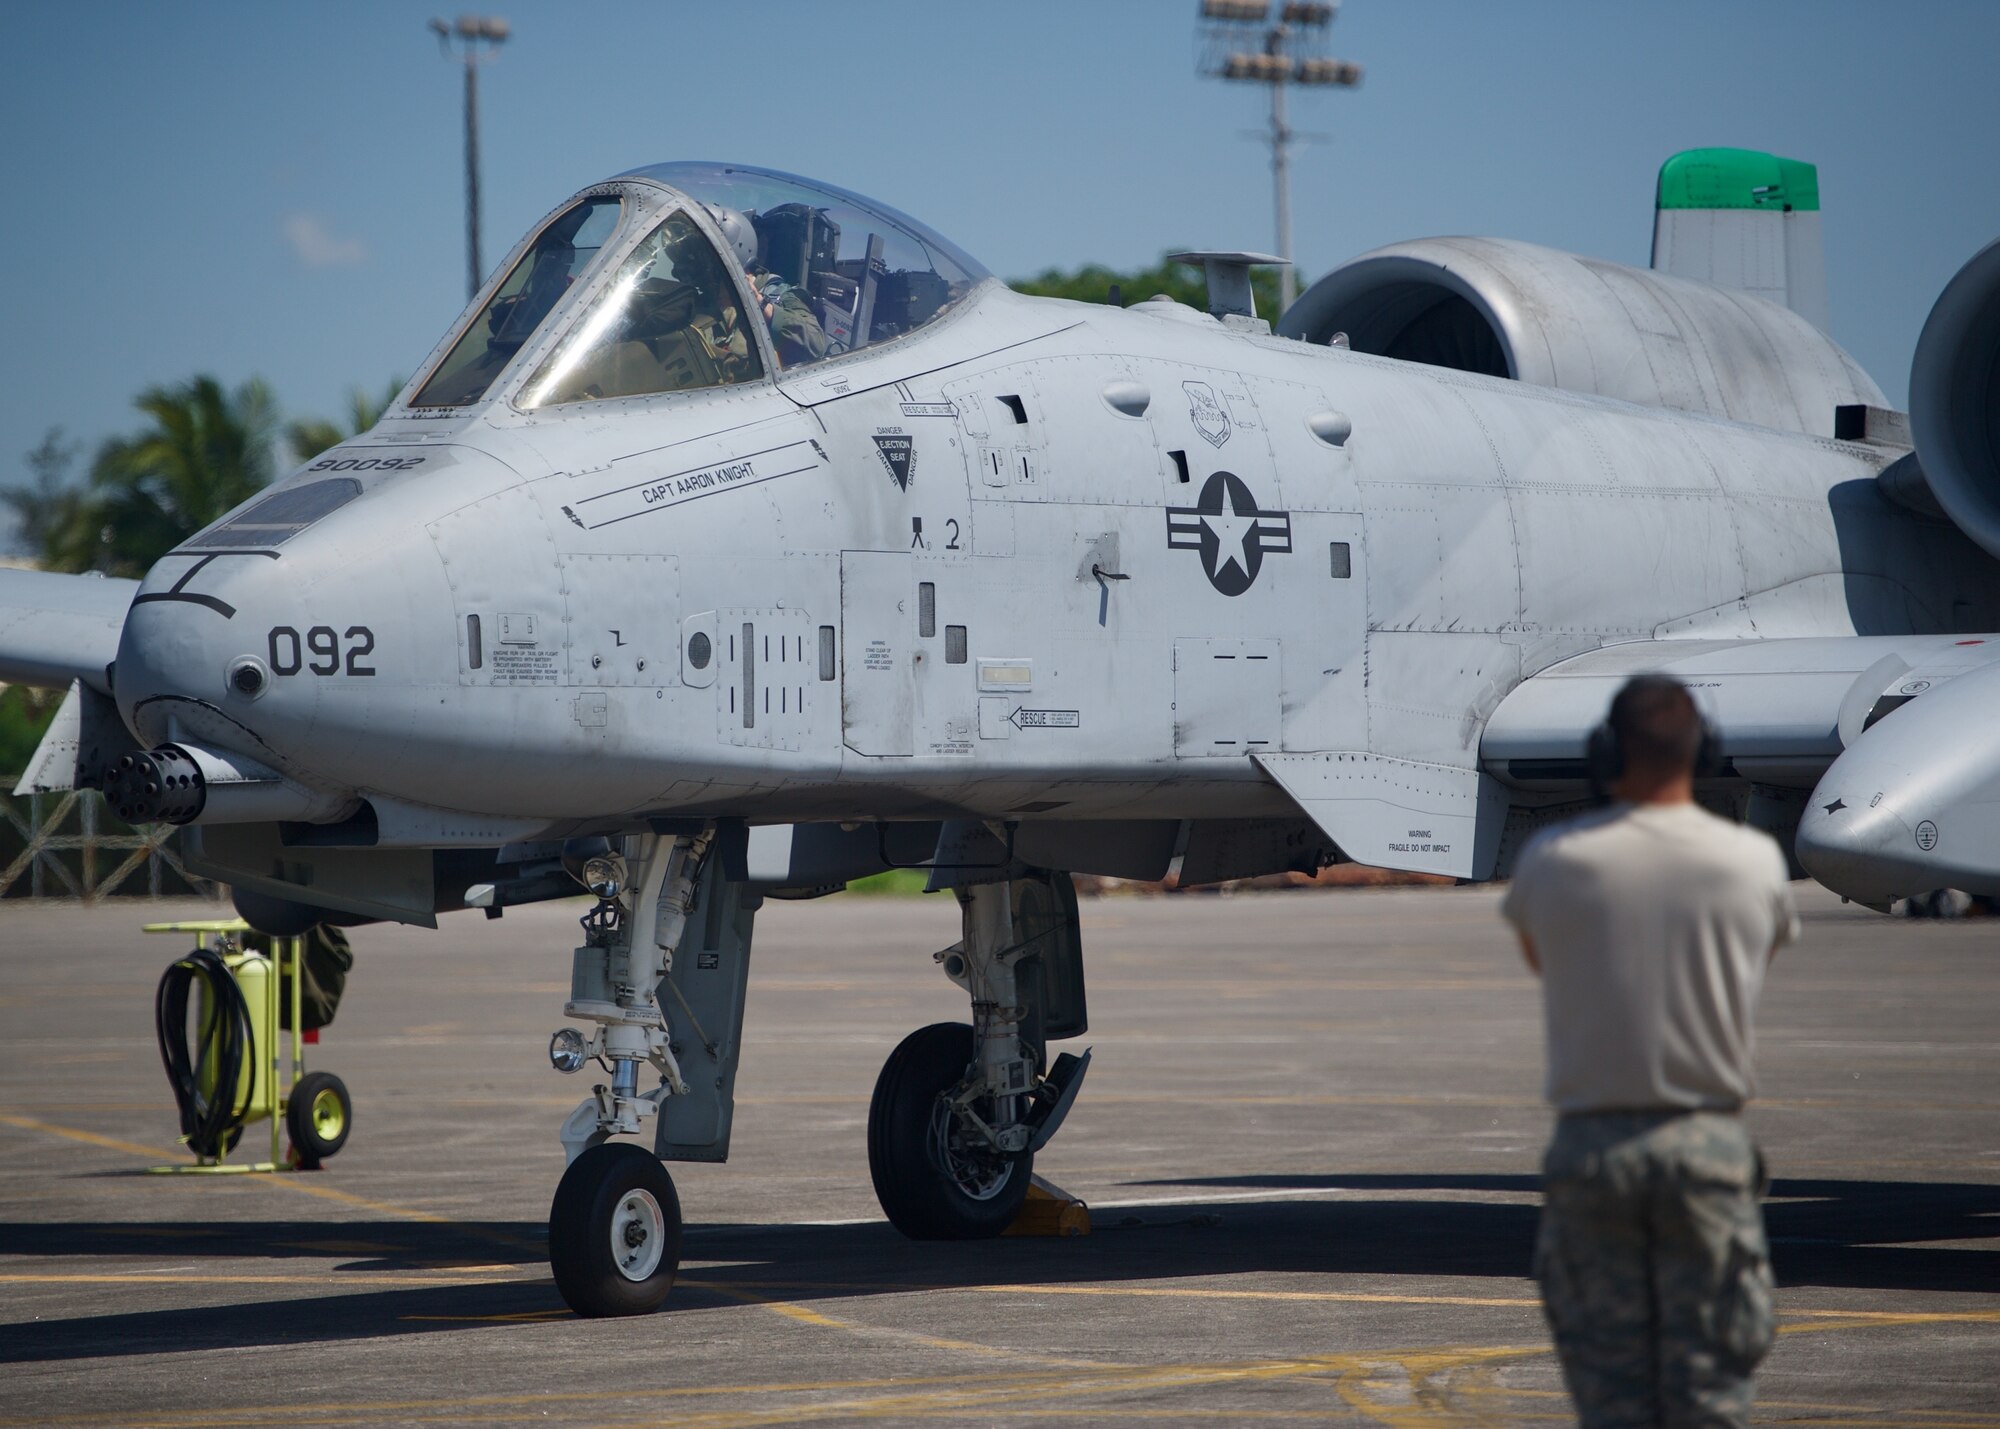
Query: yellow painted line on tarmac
(1885, 1319)
(765, 1302)
(406, 1409)
(88, 1138)
(1138, 1379)
(348, 1198)
(1353, 1297)
(805, 1316)
(350, 1280)
(289, 1180)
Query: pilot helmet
(736, 232)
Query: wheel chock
(1049, 1211)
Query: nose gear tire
(934, 1182)
(615, 1232)
(318, 1117)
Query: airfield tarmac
(1309, 1138)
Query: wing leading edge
(58, 628)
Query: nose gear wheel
(615, 1232)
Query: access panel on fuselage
(877, 646)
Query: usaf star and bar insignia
(1230, 531)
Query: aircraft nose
(194, 655)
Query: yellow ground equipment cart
(222, 1023)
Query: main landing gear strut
(958, 1112)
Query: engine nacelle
(1539, 315)
(1955, 399)
(1914, 804)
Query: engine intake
(1507, 309)
(1955, 399)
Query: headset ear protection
(1604, 755)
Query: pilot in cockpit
(686, 309)
(795, 332)
(673, 320)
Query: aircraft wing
(1893, 735)
(58, 628)
(1780, 705)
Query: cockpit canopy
(805, 272)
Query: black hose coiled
(226, 1042)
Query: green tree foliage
(1180, 281)
(203, 450)
(310, 436)
(24, 716)
(49, 508)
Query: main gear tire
(935, 1180)
(318, 1116)
(615, 1232)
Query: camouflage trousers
(1653, 1266)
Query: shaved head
(1657, 725)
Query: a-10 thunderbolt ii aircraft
(745, 536)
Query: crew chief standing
(1651, 923)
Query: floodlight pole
(1276, 43)
(470, 31)
(473, 267)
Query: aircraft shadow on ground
(1872, 1235)
(1825, 1233)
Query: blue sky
(276, 190)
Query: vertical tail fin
(1743, 219)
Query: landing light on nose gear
(568, 1051)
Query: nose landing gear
(661, 975)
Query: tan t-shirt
(1654, 924)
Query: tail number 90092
(321, 650)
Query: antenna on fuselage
(1228, 275)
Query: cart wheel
(318, 1116)
(615, 1232)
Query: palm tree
(311, 436)
(207, 450)
(49, 511)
